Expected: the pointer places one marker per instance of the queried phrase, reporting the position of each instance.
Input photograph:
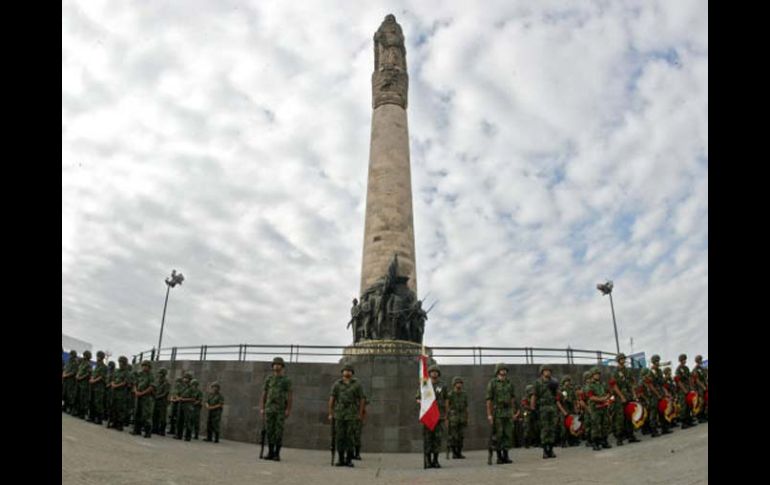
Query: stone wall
(390, 384)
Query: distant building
(70, 343)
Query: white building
(70, 343)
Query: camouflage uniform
(215, 415)
(276, 393)
(121, 394)
(599, 419)
(659, 384)
(568, 401)
(70, 384)
(546, 394)
(175, 410)
(96, 390)
(531, 426)
(196, 408)
(650, 402)
(84, 373)
(160, 407)
(682, 380)
(585, 407)
(670, 386)
(144, 404)
(621, 425)
(432, 439)
(500, 398)
(458, 418)
(699, 377)
(347, 402)
(186, 398)
(108, 393)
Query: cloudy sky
(554, 145)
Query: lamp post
(171, 281)
(606, 289)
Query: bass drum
(574, 424)
(636, 413)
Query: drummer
(650, 397)
(567, 403)
(682, 380)
(621, 386)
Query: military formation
(550, 412)
(125, 396)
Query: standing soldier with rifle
(120, 394)
(174, 420)
(457, 417)
(96, 389)
(276, 407)
(346, 405)
(185, 400)
(160, 409)
(214, 403)
(501, 404)
(544, 401)
(144, 387)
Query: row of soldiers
(123, 396)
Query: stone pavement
(96, 455)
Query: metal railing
(332, 353)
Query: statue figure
(418, 322)
(355, 313)
(389, 50)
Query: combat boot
(596, 445)
(148, 432)
(208, 436)
(654, 433)
(270, 452)
(506, 458)
(460, 453)
(216, 437)
(545, 452)
(619, 442)
(500, 457)
(606, 445)
(551, 454)
(436, 464)
(349, 459)
(633, 439)
(340, 459)
(357, 456)
(277, 455)
(195, 437)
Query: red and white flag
(429, 414)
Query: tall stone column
(389, 224)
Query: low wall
(391, 385)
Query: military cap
(500, 367)
(73, 353)
(566, 378)
(682, 357)
(123, 358)
(586, 374)
(146, 363)
(432, 368)
(667, 370)
(698, 358)
(187, 375)
(544, 367)
(215, 384)
(111, 364)
(529, 388)
(595, 370)
(194, 382)
(278, 360)
(347, 367)
(162, 371)
(100, 355)
(620, 356)
(87, 354)
(457, 379)
(655, 358)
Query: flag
(429, 414)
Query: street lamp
(606, 289)
(171, 281)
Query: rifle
(492, 443)
(334, 439)
(262, 435)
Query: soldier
(699, 384)
(622, 388)
(120, 394)
(70, 384)
(144, 387)
(544, 401)
(670, 387)
(96, 390)
(197, 406)
(527, 417)
(185, 399)
(214, 403)
(660, 390)
(108, 393)
(432, 439)
(131, 403)
(82, 377)
(276, 407)
(457, 416)
(599, 402)
(649, 397)
(346, 405)
(567, 405)
(160, 406)
(682, 381)
(582, 396)
(358, 428)
(175, 406)
(501, 410)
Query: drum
(574, 424)
(667, 409)
(636, 413)
(693, 402)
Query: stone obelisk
(389, 226)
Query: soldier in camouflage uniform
(120, 394)
(544, 401)
(160, 407)
(649, 397)
(144, 386)
(276, 407)
(699, 383)
(185, 399)
(585, 409)
(457, 417)
(358, 429)
(660, 390)
(621, 385)
(531, 428)
(70, 384)
(682, 380)
(108, 393)
(96, 390)
(82, 377)
(346, 405)
(196, 410)
(670, 387)
(175, 406)
(599, 400)
(501, 411)
(214, 403)
(567, 405)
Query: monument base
(395, 350)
